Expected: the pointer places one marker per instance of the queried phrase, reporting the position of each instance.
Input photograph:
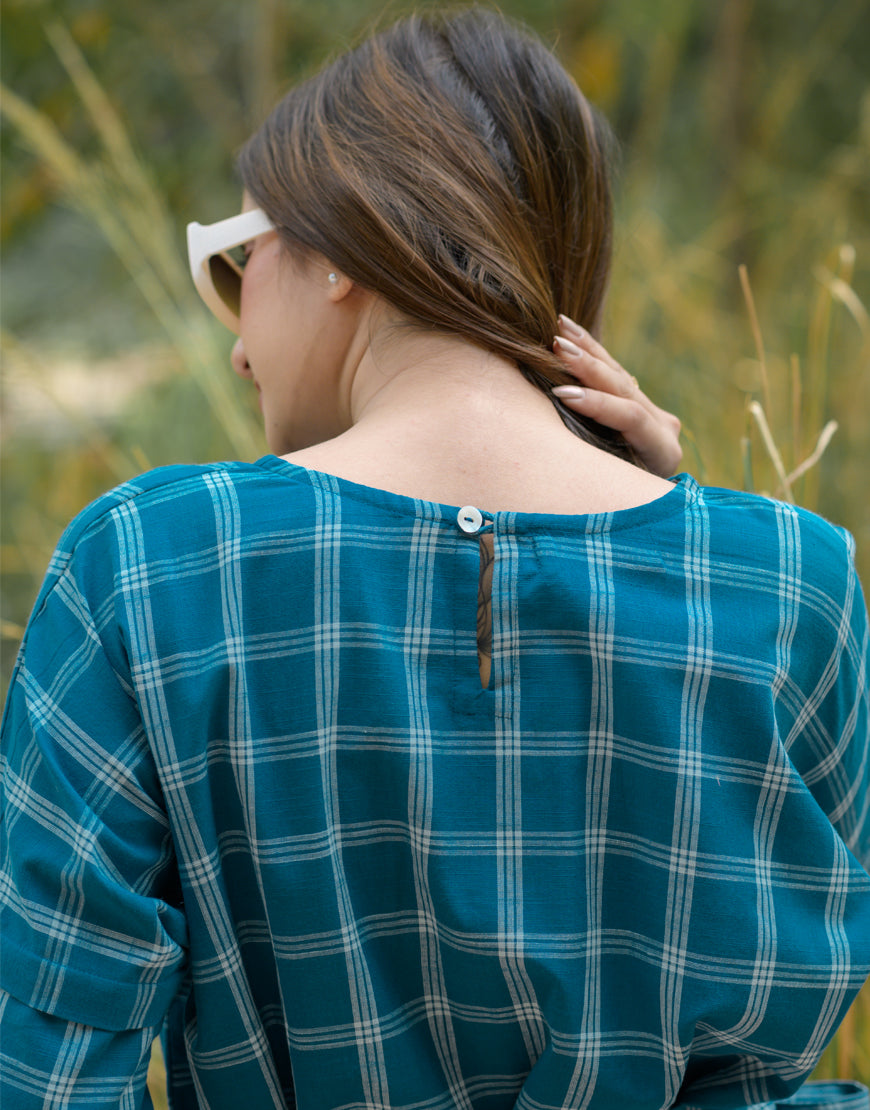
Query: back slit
(484, 608)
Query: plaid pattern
(252, 782)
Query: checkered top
(252, 782)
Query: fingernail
(567, 322)
(569, 392)
(567, 347)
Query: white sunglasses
(217, 261)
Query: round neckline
(684, 491)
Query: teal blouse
(255, 794)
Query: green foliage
(745, 127)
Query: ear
(338, 285)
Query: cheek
(251, 293)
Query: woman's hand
(612, 396)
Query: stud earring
(332, 279)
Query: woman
(445, 757)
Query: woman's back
(611, 865)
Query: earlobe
(338, 285)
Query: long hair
(451, 165)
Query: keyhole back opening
(484, 608)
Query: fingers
(655, 441)
(569, 330)
(612, 396)
(593, 371)
(621, 413)
(592, 361)
(588, 361)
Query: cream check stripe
(510, 846)
(688, 795)
(840, 965)
(358, 876)
(420, 801)
(241, 752)
(375, 1085)
(598, 769)
(771, 796)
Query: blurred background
(741, 286)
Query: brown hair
(452, 166)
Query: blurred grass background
(745, 131)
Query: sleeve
(830, 740)
(93, 936)
(813, 890)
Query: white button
(469, 519)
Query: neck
(442, 388)
(437, 418)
